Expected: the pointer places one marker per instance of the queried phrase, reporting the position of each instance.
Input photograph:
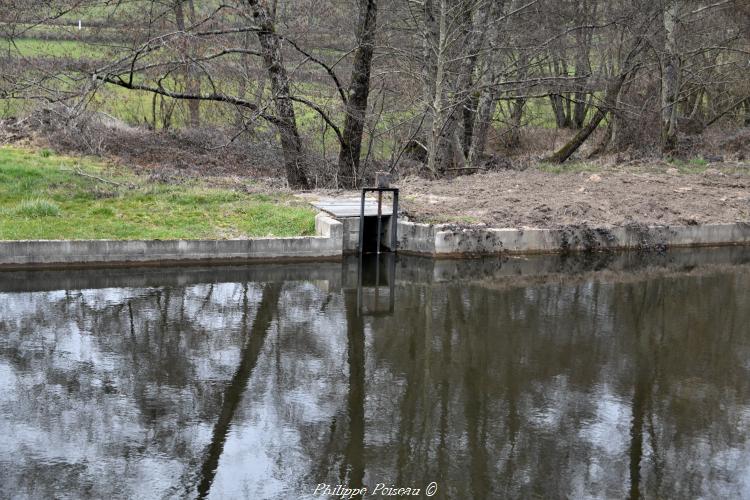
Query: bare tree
(270, 44)
(670, 77)
(356, 98)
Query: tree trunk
(606, 139)
(482, 121)
(516, 115)
(558, 107)
(291, 145)
(486, 103)
(192, 83)
(475, 33)
(359, 90)
(429, 61)
(562, 119)
(582, 67)
(469, 117)
(517, 105)
(441, 154)
(439, 143)
(579, 109)
(670, 80)
(610, 100)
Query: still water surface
(550, 377)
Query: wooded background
(340, 88)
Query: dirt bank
(661, 193)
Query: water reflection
(611, 377)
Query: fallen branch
(80, 172)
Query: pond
(590, 376)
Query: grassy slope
(42, 197)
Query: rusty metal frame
(394, 217)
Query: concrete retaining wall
(444, 240)
(47, 252)
(336, 238)
(417, 238)
(351, 233)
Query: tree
(670, 77)
(357, 95)
(192, 81)
(270, 44)
(612, 90)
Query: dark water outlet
(370, 241)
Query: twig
(84, 174)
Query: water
(549, 377)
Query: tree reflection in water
(601, 384)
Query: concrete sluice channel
(577, 375)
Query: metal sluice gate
(374, 262)
(393, 219)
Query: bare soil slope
(600, 197)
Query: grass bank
(48, 196)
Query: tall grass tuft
(37, 208)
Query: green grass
(43, 196)
(698, 162)
(695, 165)
(33, 47)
